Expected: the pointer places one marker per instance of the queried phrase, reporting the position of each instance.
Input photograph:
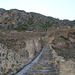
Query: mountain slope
(20, 20)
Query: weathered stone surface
(9, 60)
(17, 49)
(60, 38)
(65, 67)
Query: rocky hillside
(18, 49)
(20, 20)
(62, 39)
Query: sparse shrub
(64, 37)
(21, 27)
(56, 48)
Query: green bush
(21, 27)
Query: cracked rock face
(33, 46)
(16, 50)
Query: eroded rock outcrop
(64, 67)
(17, 50)
(10, 60)
(61, 40)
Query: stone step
(43, 73)
(40, 69)
(45, 65)
(44, 68)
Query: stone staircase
(45, 64)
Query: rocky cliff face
(21, 20)
(17, 49)
(10, 60)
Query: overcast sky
(62, 9)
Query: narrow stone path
(26, 68)
(45, 65)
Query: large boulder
(60, 42)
